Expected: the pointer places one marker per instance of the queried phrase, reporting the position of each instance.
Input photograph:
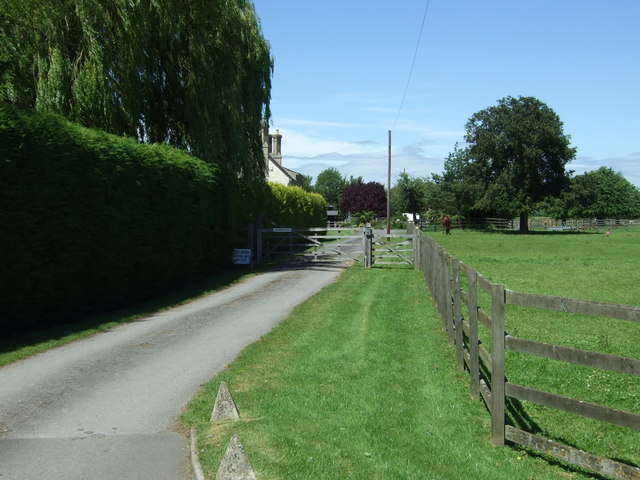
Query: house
(276, 172)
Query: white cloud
(298, 144)
(310, 153)
(298, 122)
(367, 159)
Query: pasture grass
(359, 382)
(18, 347)
(593, 266)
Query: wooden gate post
(367, 246)
(497, 365)
(417, 233)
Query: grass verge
(359, 382)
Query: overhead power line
(413, 63)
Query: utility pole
(389, 189)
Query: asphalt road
(106, 407)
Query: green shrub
(92, 221)
(294, 207)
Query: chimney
(266, 141)
(277, 147)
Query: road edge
(198, 473)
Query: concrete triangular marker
(235, 464)
(224, 408)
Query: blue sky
(341, 68)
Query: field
(359, 382)
(593, 266)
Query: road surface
(106, 407)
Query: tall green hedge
(90, 221)
(294, 207)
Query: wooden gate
(392, 249)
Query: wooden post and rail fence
(488, 377)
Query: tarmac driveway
(106, 407)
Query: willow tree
(194, 74)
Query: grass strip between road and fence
(359, 382)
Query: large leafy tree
(361, 197)
(461, 185)
(194, 74)
(330, 184)
(602, 193)
(305, 182)
(411, 194)
(515, 158)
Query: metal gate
(355, 244)
(313, 243)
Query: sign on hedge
(241, 256)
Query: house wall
(276, 175)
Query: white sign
(281, 230)
(241, 256)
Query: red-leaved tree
(364, 197)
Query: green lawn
(359, 382)
(591, 266)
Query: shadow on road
(105, 321)
(56, 336)
(308, 264)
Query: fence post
(474, 354)
(368, 246)
(457, 314)
(439, 284)
(259, 246)
(448, 297)
(417, 231)
(497, 364)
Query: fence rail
(488, 375)
(541, 223)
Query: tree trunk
(524, 223)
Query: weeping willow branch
(194, 74)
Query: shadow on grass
(26, 344)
